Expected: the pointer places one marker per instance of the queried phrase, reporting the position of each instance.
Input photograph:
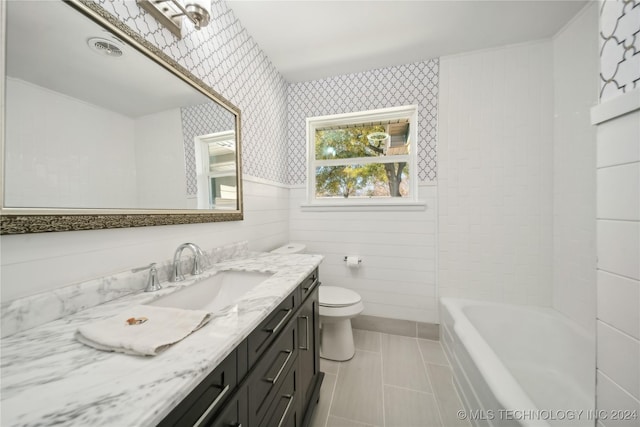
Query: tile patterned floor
(392, 381)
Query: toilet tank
(290, 248)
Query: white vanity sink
(215, 292)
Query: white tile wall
(157, 151)
(612, 401)
(46, 175)
(622, 364)
(619, 247)
(396, 278)
(618, 141)
(619, 302)
(495, 192)
(575, 91)
(618, 188)
(618, 332)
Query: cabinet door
(309, 356)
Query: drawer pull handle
(312, 285)
(286, 410)
(212, 406)
(306, 333)
(281, 322)
(275, 379)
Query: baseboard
(407, 328)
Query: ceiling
(47, 45)
(313, 39)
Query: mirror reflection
(92, 123)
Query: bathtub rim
(506, 390)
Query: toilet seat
(335, 297)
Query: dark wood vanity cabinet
(272, 379)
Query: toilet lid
(334, 296)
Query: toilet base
(336, 340)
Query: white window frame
(203, 172)
(384, 114)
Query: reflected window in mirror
(216, 170)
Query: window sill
(363, 206)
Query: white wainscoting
(35, 263)
(397, 276)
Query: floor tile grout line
(427, 339)
(333, 393)
(436, 396)
(349, 419)
(409, 389)
(433, 389)
(437, 364)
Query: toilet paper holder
(359, 259)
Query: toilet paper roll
(353, 261)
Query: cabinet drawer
(270, 372)
(285, 410)
(207, 398)
(264, 334)
(234, 414)
(309, 284)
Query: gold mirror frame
(38, 220)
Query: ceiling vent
(105, 47)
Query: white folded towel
(142, 329)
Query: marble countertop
(49, 378)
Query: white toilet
(337, 307)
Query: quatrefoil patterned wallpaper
(619, 47)
(225, 56)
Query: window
(363, 158)
(216, 171)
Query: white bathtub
(518, 365)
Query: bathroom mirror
(103, 130)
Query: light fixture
(170, 12)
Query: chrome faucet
(153, 284)
(199, 260)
